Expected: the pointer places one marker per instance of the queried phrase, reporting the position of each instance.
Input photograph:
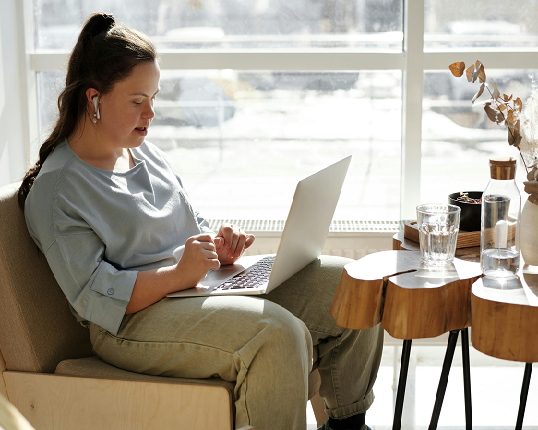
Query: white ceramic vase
(529, 233)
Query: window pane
(304, 24)
(465, 24)
(241, 140)
(458, 138)
(49, 86)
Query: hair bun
(104, 23)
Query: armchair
(47, 367)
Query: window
(257, 94)
(494, 24)
(225, 24)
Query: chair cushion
(37, 329)
(93, 367)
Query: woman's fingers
(231, 241)
(198, 258)
(249, 240)
(208, 245)
(218, 241)
(203, 238)
(230, 234)
(206, 248)
(237, 235)
(226, 233)
(213, 260)
(209, 250)
(240, 246)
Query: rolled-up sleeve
(97, 290)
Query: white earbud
(96, 114)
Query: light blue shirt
(98, 228)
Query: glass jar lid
(502, 168)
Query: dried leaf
(506, 98)
(477, 67)
(469, 73)
(514, 135)
(518, 104)
(482, 74)
(478, 94)
(502, 107)
(511, 118)
(457, 68)
(490, 112)
(496, 92)
(493, 114)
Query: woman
(119, 233)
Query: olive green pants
(263, 343)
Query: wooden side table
(411, 301)
(505, 323)
(399, 241)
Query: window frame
(412, 62)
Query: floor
(496, 386)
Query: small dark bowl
(470, 212)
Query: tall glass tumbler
(438, 227)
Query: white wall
(12, 80)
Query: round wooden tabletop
(411, 300)
(505, 316)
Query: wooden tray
(466, 239)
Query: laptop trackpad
(217, 277)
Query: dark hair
(105, 54)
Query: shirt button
(110, 291)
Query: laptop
(302, 241)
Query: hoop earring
(96, 114)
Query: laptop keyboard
(255, 276)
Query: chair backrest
(37, 329)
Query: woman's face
(127, 111)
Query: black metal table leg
(524, 393)
(406, 353)
(467, 379)
(452, 339)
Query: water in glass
(438, 227)
(500, 263)
(438, 242)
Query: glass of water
(438, 227)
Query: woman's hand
(199, 257)
(152, 285)
(231, 242)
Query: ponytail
(104, 55)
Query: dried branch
(502, 110)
